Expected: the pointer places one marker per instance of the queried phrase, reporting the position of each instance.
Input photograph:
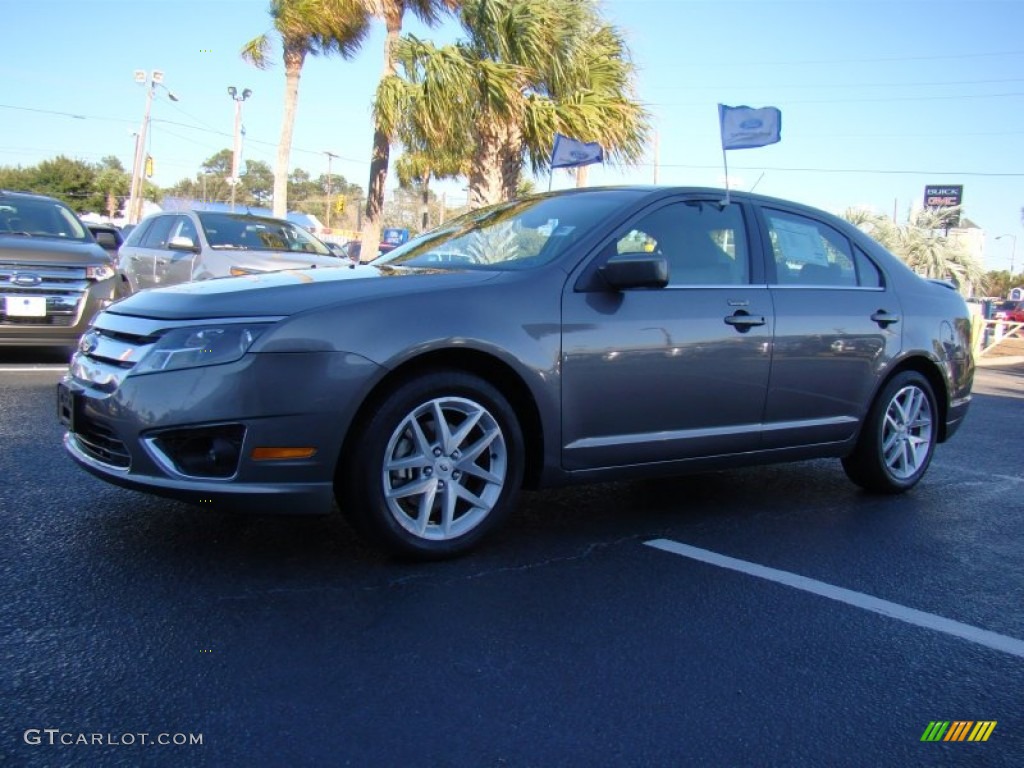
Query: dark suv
(54, 276)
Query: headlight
(101, 272)
(196, 347)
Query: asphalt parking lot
(772, 616)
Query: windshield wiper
(17, 232)
(230, 247)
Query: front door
(654, 375)
(175, 266)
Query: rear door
(837, 325)
(656, 375)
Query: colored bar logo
(958, 730)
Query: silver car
(567, 337)
(183, 246)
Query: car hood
(16, 249)
(290, 291)
(274, 260)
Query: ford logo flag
(746, 127)
(570, 153)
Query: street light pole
(1013, 250)
(236, 157)
(330, 156)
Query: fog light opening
(203, 452)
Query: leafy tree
(72, 181)
(257, 183)
(16, 179)
(211, 183)
(304, 27)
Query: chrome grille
(62, 287)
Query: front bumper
(272, 400)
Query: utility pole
(1013, 249)
(656, 158)
(134, 212)
(236, 156)
(330, 156)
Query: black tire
(898, 437)
(444, 476)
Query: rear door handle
(884, 318)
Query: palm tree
(305, 27)
(391, 12)
(922, 245)
(529, 69)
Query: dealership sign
(945, 196)
(948, 196)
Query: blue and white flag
(746, 127)
(570, 153)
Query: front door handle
(884, 318)
(743, 322)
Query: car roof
(26, 195)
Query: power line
(787, 102)
(833, 86)
(887, 171)
(877, 59)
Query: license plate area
(67, 406)
(25, 306)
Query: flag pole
(725, 163)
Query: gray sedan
(183, 246)
(567, 337)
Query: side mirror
(182, 243)
(107, 240)
(635, 270)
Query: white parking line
(31, 368)
(973, 634)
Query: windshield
(239, 231)
(29, 217)
(519, 234)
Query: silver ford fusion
(567, 337)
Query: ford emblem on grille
(88, 343)
(27, 279)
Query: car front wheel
(435, 468)
(898, 437)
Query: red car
(1010, 311)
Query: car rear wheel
(898, 437)
(436, 467)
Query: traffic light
(149, 166)
(339, 205)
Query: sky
(878, 99)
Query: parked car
(184, 246)
(53, 275)
(535, 342)
(1009, 311)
